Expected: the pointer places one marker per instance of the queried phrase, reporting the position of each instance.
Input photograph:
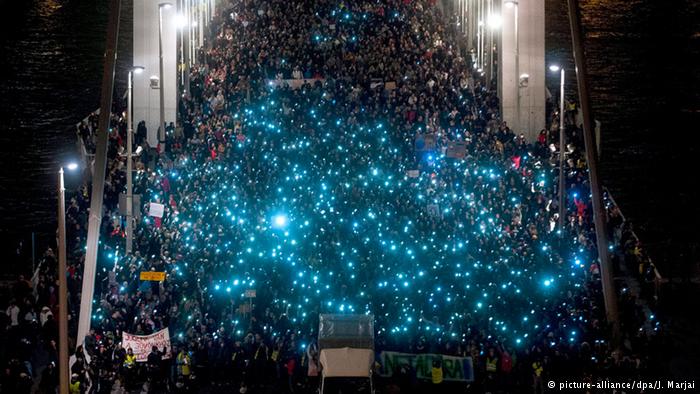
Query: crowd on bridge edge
(327, 198)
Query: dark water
(644, 59)
(51, 66)
(644, 69)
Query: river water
(643, 66)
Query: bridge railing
(86, 156)
(658, 278)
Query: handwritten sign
(457, 150)
(142, 344)
(152, 275)
(156, 210)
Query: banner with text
(455, 369)
(142, 344)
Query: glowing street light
(514, 4)
(562, 148)
(494, 21)
(161, 126)
(180, 21)
(63, 367)
(129, 158)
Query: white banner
(142, 344)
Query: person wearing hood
(44, 315)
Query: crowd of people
(385, 183)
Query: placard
(156, 210)
(152, 276)
(456, 150)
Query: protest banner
(142, 344)
(153, 276)
(455, 369)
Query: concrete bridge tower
(522, 66)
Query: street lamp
(181, 22)
(514, 4)
(64, 368)
(129, 158)
(161, 127)
(562, 146)
(494, 22)
(479, 41)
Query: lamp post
(64, 368)
(562, 148)
(599, 214)
(181, 23)
(479, 49)
(489, 53)
(161, 127)
(129, 159)
(514, 4)
(494, 22)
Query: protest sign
(156, 210)
(425, 142)
(142, 344)
(455, 369)
(152, 275)
(456, 149)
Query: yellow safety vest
(275, 355)
(183, 362)
(264, 350)
(437, 375)
(130, 360)
(491, 365)
(74, 387)
(537, 367)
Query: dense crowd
(341, 194)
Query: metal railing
(658, 278)
(86, 157)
